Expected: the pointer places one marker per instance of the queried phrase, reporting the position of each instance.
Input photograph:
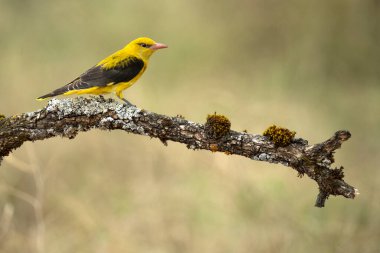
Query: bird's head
(144, 47)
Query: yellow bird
(115, 73)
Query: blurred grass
(311, 66)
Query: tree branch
(67, 117)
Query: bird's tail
(54, 93)
(73, 85)
(46, 96)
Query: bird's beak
(158, 46)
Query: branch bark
(68, 117)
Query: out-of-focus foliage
(310, 66)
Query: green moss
(280, 136)
(217, 126)
(2, 117)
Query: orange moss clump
(217, 126)
(280, 136)
(214, 147)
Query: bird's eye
(143, 45)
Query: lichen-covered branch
(68, 117)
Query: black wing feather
(100, 77)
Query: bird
(115, 73)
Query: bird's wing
(98, 76)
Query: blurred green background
(312, 66)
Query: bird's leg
(119, 94)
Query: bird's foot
(128, 103)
